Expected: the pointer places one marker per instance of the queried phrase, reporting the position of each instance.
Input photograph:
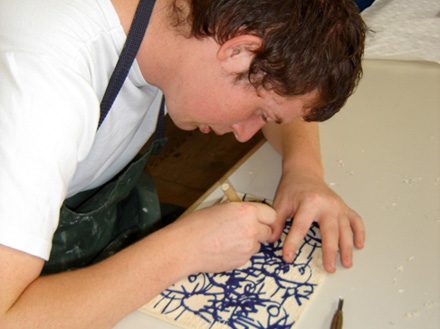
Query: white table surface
(382, 155)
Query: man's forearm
(298, 143)
(102, 294)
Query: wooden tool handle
(230, 192)
(338, 317)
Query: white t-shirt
(56, 57)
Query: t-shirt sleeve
(48, 120)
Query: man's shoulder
(60, 29)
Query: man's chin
(185, 126)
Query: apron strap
(159, 134)
(128, 55)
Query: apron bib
(97, 223)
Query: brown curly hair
(307, 44)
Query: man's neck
(158, 47)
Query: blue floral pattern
(264, 293)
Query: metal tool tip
(341, 303)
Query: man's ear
(236, 54)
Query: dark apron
(97, 223)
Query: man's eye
(264, 117)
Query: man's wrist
(312, 168)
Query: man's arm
(304, 195)
(94, 297)
(213, 239)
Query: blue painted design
(260, 294)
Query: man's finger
(358, 228)
(265, 213)
(277, 229)
(264, 233)
(283, 213)
(300, 226)
(346, 243)
(330, 240)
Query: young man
(223, 66)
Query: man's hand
(307, 199)
(224, 236)
(303, 195)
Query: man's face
(237, 108)
(204, 95)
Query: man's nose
(245, 130)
